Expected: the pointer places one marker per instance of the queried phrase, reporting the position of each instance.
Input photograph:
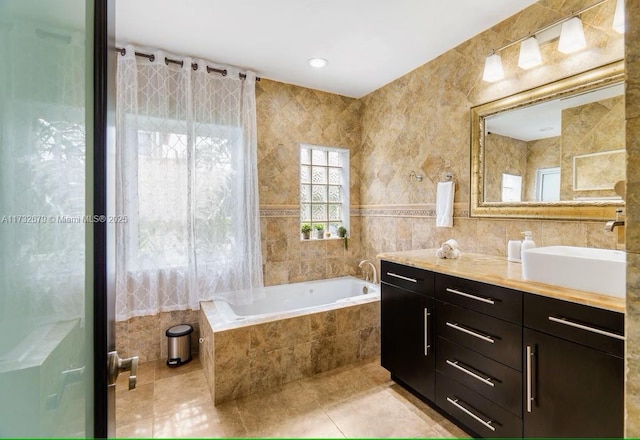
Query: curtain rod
(151, 57)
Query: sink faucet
(373, 271)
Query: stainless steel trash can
(179, 345)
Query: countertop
(500, 272)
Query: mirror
(555, 151)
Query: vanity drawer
(407, 277)
(495, 381)
(590, 326)
(493, 300)
(492, 337)
(475, 411)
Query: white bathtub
(297, 298)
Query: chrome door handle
(485, 380)
(565, 321)
(486, 423)
(117, 365)
(471, 332)
(395, 275)
(426, 331)
(529, 379)
(469, 295)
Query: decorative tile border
(424, 210)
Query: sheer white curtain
(186, 170)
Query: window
(511, 188)
(324, 187)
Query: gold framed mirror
(525, 149)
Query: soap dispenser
(528, 242)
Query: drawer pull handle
(585, 327)
(470, 332)
(470, 414)
(485, 380)
(426, 331)
(529, 379)
(395, 275)
(468, 295)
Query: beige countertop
(500, 272)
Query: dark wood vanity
(500, 361)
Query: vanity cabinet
(574, 370)
(502, 362)
(479, 355)
(407, 315)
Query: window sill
(322, 239)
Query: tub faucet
(374, 271)
(613, 224)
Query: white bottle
(514, 250)
(528, 242)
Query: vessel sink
(589, 269)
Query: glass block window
(324, 187)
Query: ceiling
(544, 120)
(368, 43)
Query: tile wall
(632, 58)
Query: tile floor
(354, 401)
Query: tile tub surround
(241, 360)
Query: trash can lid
(179, 330)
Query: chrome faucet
(374, 271)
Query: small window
(324, 187)
(511, 188)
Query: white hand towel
(440, 253)
(444, 204)
(450, 245)
(452, 254)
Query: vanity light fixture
(529, 53)
(493, 70)
(318, 63)
(572, 36)
(618, 17)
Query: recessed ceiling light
(317, 62)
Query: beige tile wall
(632, 102)
(421, 121)
(287, 116)
(503, 154)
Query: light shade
(572, 36)
(529, 53)
(618, 18)
(317, 62)
(493, 70)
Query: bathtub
(295, 299)
(286, 333)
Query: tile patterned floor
(355, 401)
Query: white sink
(592, 270)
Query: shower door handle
(117, 365)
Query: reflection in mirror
(562, 149)
(556, 151)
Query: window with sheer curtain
(186, 180)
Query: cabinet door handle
(471, 332)
(426, 331)
(565, 321)
(529, 379)
(455, 403)
(395, 275)
(469, 295)
(485, 380)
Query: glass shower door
(46, 236)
